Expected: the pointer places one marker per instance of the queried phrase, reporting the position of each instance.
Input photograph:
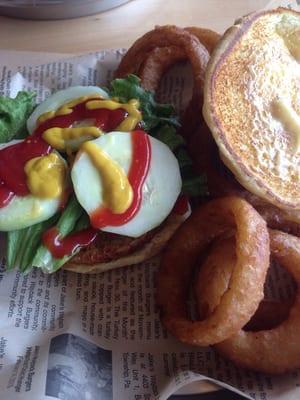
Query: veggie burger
(91, 179)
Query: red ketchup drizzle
(13, 158)
(60, 247)
(13, 177)
(12, 162)
(106, 120)
(137, 174)
(141, 156)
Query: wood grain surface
(121, 26)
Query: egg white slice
(56, 100)
(160, 191)
(24, 211)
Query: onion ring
(165, 36)
(213, 280)
(161, 59)
(247, 280)
(157, 63)
(277, 350)
(285, 220)
(270, 313)
(207, 37)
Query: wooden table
(120, 26)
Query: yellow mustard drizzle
(289, 119)
(117, 191)
(66, 108)
(46, 176)
(132, 108)
(58, 137)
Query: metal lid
(55, 9)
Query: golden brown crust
(274, 351)
(207, 37)
(206, 224)
(161, 37)
(161, 59)
(243, 77)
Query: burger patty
(110, 246)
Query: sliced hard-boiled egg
(47, 179)
(160, 190)
(58, 99)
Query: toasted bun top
(252, 104)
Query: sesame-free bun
(252, 104)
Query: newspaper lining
(69, 335)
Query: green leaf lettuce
(14, 114)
